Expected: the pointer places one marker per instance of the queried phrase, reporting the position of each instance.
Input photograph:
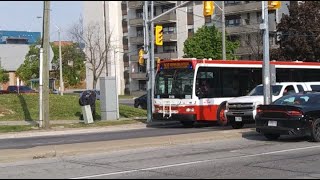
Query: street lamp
(60, 61)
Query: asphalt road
(238, 157)
(153, 131)
(129, 102)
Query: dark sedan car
(141, 101)
(296, 114)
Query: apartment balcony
(242, 29)
(136, 22)
(171, 17)
(134, 58)
(135, 4)
(166, 55)
(136, 40)
(169, 37)
(139, 76)
(240, 8)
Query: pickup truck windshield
(258, 91)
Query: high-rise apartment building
(242, 20)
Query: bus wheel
(187, 123)
(222, 120)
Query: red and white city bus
(190, 90)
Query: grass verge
(26, 107)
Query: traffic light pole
(266, 59)
(146, 49)
(152, 57)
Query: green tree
(72, 74)
(73, 66)
(30, 67)
(4, 76)
(299, 33)
(207, 43)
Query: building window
(169, 30)
(169, 48)
(190, 32)
(139, 31)
(139, 13)
(234, 38)
(190, 9)
(165, 8)
(233, 20)
(207, 19)
(259, 17)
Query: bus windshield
(174, 83)
(258, 91)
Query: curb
(39, 152)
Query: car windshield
(298, 99)
(258, 91)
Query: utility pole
(152, 57)
(146, 49)
(60, 59)
(46, 56)
(266, 59)
(223, 32)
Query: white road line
(193, 162)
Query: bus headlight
(190, 110)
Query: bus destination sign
(174, 65)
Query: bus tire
(221, 119)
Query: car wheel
(272, 136)
(315, 130)
(187, 124)
(237, 125)
(222, 120)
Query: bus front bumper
(174, 117)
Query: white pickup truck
(242, 109)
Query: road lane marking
(193, 162)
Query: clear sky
(22, 16)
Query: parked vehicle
(296, 114)
(97, 94)
(18, 89)
(141, 102)
(242, 109)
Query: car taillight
(295, 113)
(258, 110)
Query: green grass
(6, 129)
(26, 107)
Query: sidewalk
(67, 131)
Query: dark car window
(300, 99)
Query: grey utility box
(108, 98)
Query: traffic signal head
(159, 35)
(141, 58)
(208, 8)
(272, 5)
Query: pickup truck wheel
(272, 136)
(237, 125)
(222, 120)
(315, 130)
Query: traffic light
(273, 5)
(159, 35)
(141, 58)
(208, 8)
